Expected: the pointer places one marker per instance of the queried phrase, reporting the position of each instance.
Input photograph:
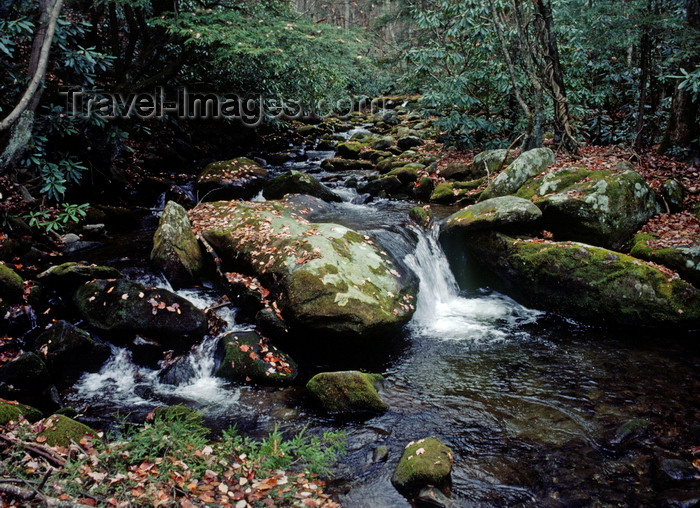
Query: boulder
(295, 182)
(528, 164)
(60, 430)
(424, 462)
(325, 277)
(684, 260)
(457, 171)
(340, 164)
(246, 356)
(383, 185)
(240, 178)
(490, 161)
(347, 392)
(349, 150)
(11, 285)
(451, 192)
(176, 251)
(123, 307)
(25, 377)
(421, 216)
(672, 193)
(383, 143)
(423, 188)
(494, 213)
(406, 174)
(11, 411)
(180, 414)
(587, 283)
(69, 276)
(408, 142)
(602, 208)
(70, 351)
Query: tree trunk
(644, 67)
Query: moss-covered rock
(340, 164)
(240, 178)
(383, 186)
(59, 430)
(406, 174)
(495, 213)
(325, 277)
(424, 462)
(347, 392)
(246, 356)
(11, 411)
(602, 208)
(489, 161)
(349, 150)
(69, 276)
(70, 351)
(383, 143)
(672, 193)
(528, 164)
(176, 251)
(423, 188)
(178, 413)
(588, 283)
(684, 260)
(408, 142)
(421, 215)
(451, 192)
(11, 285)
(123, 307)
(295, 182)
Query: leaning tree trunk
(19, 122)
(562, 119)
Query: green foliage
(56, 221)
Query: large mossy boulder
(325, 277)
(340, 164)
(11, 411)
(68, 276)
(295, 182)
(59, 430)
(176, 251)
(424, 462)
(525, 166)
(246, 356)
(349, 150)
(240, 178)
(588, 283)
(11, 285)
(684, 259)
(124, 307)
(602, 208)
(70, 351)
(347, 392)
(495, 213)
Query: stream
(529, 402)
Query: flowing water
(530, 403)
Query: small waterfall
(443, 312)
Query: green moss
(61, 431)
(179, 413)
(249, 357)
(11, 285)
(442, 193)
(424, 462)
(71, 275)
(11, 411)
(347, 391)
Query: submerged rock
(246, 356)
(325, 277)
(176, 251)
(70, 351)
(295, 182)
(71, 275)
(588, 283)
(426, 462)
(127, 307)
(493, 214)
(602, 208)
(240, 178)
(528, 164)
(347, 392)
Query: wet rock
(11, 285)
(327, 144)
(60, 430)
(340, 164)
(246, 356)
(630, 431)
(179, 372)
(406, 174)
(430, 496)
(685, 260)
(451, 192)
(146, 352)
(384, 185)
(681, 498)
(602, 208)
(295, 182)
(588, 283)
(423, 188)
(25, 378)
(380, 454)
(672, 193)
(11, 411)
(324, 277)
(176, 251)
(70, 351)
(349, 150)
(493, 213)
(347, 392)
(270, 324)
(69, 276)
(677, 469)
(426, 462)
(421, 215)
(384, 143)
(408, 142)
(310, 130)
(528, 164)
(240, 178)
(121, 307)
